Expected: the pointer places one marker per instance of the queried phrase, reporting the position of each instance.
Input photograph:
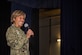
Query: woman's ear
(13, 19)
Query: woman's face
(19, 21)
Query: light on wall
(58, 40)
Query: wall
(48, 34)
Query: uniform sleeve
(13, 41)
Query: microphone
(26, 27)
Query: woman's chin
(20, 25)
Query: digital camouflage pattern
(17, 40)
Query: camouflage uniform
(17, 40)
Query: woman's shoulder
(10, 28)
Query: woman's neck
(16, 25)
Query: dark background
(70, 25)
(4, 23)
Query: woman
(15, 36)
